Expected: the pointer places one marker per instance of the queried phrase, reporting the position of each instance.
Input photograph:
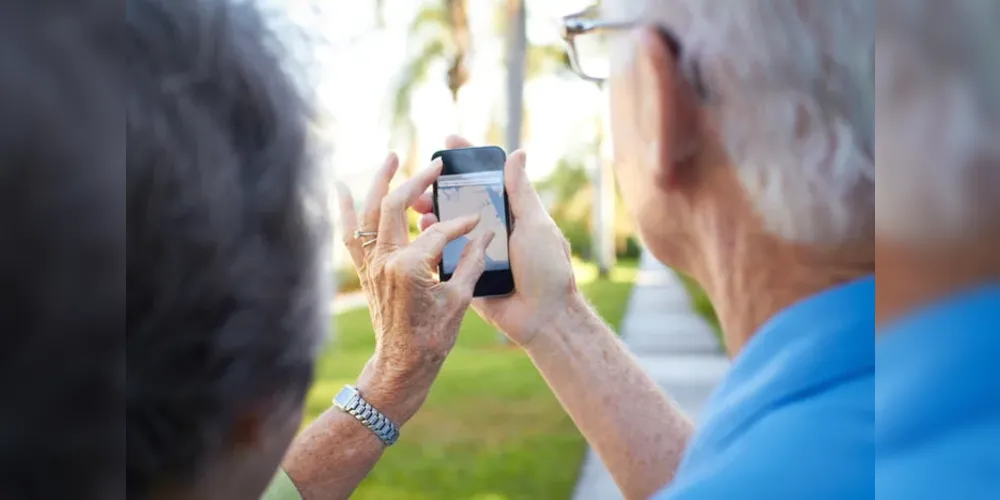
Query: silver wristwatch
(349, 400)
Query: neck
(910, 277)
(178, 495)
(751, 275)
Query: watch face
(344, 397)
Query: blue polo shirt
(937, 413)
(795, 416)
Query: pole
(515, 59)
(603, 246)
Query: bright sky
(356, 66)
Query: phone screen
(471, 182)
(475, 192)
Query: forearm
(639, 435)
(331, 456)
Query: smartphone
(472, 182)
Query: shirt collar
(834, 328)
(811, 344)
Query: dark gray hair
(224, 303)
(62, 250)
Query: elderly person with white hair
(938, 248)
(744, 136)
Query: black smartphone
(472, 182)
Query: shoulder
(814, 447)
(817, 447)
(937, 409)
(960, 462)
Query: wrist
(573, 317)
(394, 391)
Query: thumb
(472, 264)
(524, 200)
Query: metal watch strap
(349, 400)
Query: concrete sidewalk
(674, 344)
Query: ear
(258, 427)
(671, 109)
(249, 431)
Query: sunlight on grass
(586, 272)
(490, 429)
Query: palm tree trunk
(461, 39)
(458, 71)
(517, 45)
(604, 202)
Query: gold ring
(368, 243)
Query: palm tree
(440, 32)
(523, 61)
(461, 38)
(516, 55)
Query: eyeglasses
(587, 41)
(587, 44)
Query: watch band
(349, 400)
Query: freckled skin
(416, 320)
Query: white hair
(795, 87)
(938, 87)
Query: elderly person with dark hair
(226, 300)
(225, 306)
(62, 250)
(938, 399)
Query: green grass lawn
(702, 305)
(490, 429)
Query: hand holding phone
(472, 181)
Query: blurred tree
(523, 61)
(380, 14)
(568, 193)
(439, 33)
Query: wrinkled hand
(416, 318)
(539, 258)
